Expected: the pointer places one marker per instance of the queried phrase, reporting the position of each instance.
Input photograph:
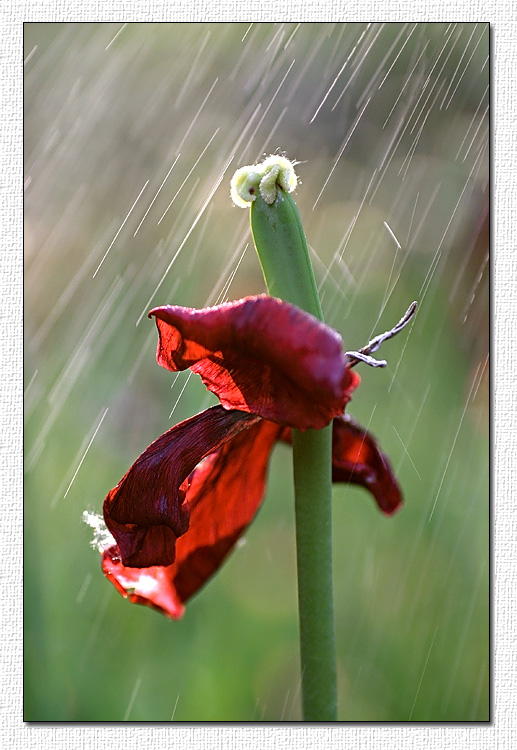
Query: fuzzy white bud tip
(248, 182)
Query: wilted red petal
(358, 459)
(150, 586)
(146, 512)
(224, 494)
(261, 355)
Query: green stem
(313, 489)
(284, 257)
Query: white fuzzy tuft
(263, 178)
(102, 538)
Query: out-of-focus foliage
(132, 133)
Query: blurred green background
(132, 133)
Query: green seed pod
(283, 253)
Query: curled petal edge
(149, 509)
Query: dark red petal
(261, 355)
(146, 512)
(224, 494)
(358, 459)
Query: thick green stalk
(283, 253)
(284, 257)
(312, 451)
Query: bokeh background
(132, 134)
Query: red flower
(188, 498)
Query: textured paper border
(501, 733)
